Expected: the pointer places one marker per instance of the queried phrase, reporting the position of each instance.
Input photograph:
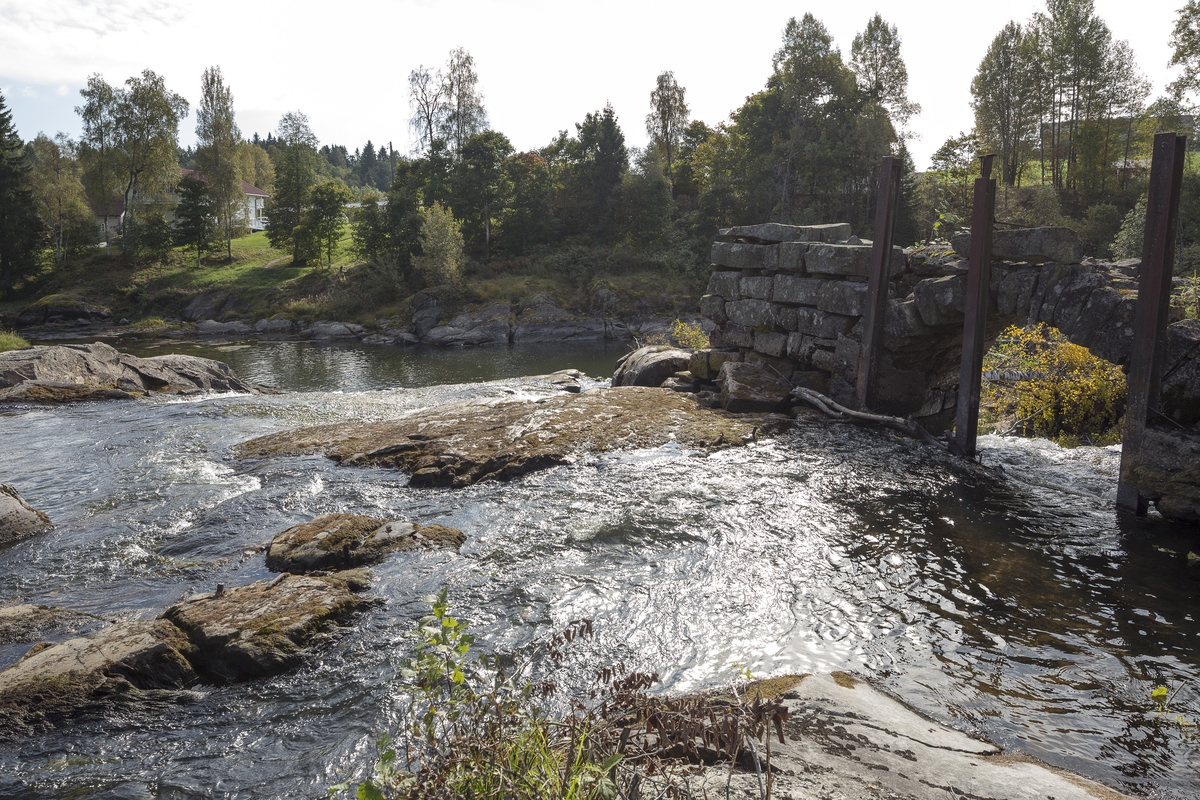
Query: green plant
(1162, 697)
(686, 334)
(10, 341)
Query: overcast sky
(542, 64)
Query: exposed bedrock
(344, 541)
(68, 373)
(459, 444)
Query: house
(254, 215)
(111, 228)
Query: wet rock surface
(120, 662)
(844, 740)
(262, 629)
(459, 444)
(18, 519)
(26, 623)
(344, 541)
(69, 373)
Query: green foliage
(9, 340)
(295, 174)
(326, 218)
(1132, 233)
(1040, 384)
(687, 335)
(195, 223)
(147, 237)
(441, 258)
(21, 230)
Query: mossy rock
(344, 541)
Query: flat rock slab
(343, 541)
(119, 662)
(846, 741)
(18, 520)
(460, 444)
(29, 623)
(68, 373)
(262, 629)
(1031, 245)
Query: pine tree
(21, 231)
(295, 174)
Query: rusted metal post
(1154, 299)
(886, 203)
(979, 277)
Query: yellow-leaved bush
(1036, 383)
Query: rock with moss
(19, 520)
(344, 541)
(263, 628)
(61, 308)
(68, 373)
(29, 623)
(650, 366)
(459, 444)
(121, 662)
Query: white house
(256, 199)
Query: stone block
(770, 344)
(776, 232)
(849, 260)
(748, 388)
(758, 287)
(735, 335)
(813, 380)
(797, 290)
(735, 255)
(1030, 245)
(788, 318)
(753, 313)
(822, 324)
(843, 297)
(903, 321)
(940, 301)
(706, 364)
(845, 358)
(791, 256)
(725, 285)
(782, 366)
(713, 307)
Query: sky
(543, 64)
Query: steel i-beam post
(875, 315)
(979, 275)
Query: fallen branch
(836, 411)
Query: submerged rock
(30, 623)
(18, 519)
(459, 444)
(262, 629)
(68, 373)
(120, 662)
(343, 541)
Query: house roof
(247, 187)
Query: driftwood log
(837, 411)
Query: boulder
(262, 629)
(490, 326)
(650, 366)
(121, 661)
(1181, 373)
(209, 305)
(24, 623)
(1168, 471)
(326, 329)
(1029, 245)
(17, 519)
(343, 541)
(65, 373)
(569, 380)
(941, 301)
(211, 327)
(751, 388)
(706, 364)
(60, 308)
(459, 444)
(274, 326)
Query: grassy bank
(10, 341)
(261, 283)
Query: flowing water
(1009, 601)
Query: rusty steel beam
(979, 274)
(1154, 300)
(875, 315)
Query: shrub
(687, 335)
(1039, 384)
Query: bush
(1039, 384)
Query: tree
(464, 114)
(1185, 49)
(21, 232)
(1004, 100)
(481, 185)
(58, 189)
(668, 118)
(427, 96)
(295, 174)
(326, 217)
(217, 154)
(528, 218)
(147, 118)
(196, 223)
(599, 160)
(389, 235)
(100, 149)
(880, 71)
(255, 167)
(441, 247)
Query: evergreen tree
(295, 174)
(195, 220)
(326, 218)
(217, 155)
(21, 231)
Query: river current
(1011, 601)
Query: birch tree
(427, 96)
(668, 118)
(464, 115)
(56, 178)
(218, 140)
(100, 150)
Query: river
(1011, 601)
